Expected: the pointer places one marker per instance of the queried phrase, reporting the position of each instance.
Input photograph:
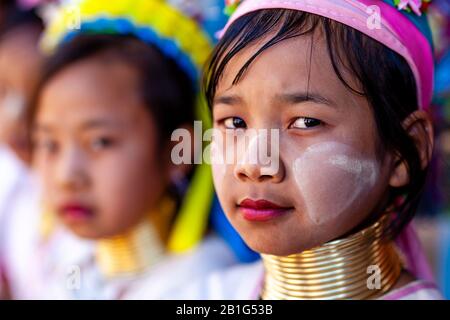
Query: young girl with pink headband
(344, 87)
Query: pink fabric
(409, 290)
(416, 262)
(396, 32)
(28, 4)
(256, 293)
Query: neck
(347, 268)
(138, 249)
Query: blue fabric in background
(214, 17)
(222, 226)
(442, 80)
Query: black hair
(167, 91)
(12, 17)
(383, 76)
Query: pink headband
(395, 31)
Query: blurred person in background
(20, 62)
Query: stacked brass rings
(361, 266)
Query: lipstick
(261, 210)
(75, 212)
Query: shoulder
(240, 282)
(169, 278)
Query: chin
(278, 238)
(272, 247)
(86, 232)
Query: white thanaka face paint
(331, 177)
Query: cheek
(227, 151)
(127, 183)
(219, 168)
(331, 178)
(45, 172)
(223, 151)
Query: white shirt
(13, 175)
(13, 179)
(177, 272)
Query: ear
(419, 126)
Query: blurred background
(433, 220)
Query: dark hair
(383, 76)
(12, 17)
(166, 90)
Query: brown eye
(48, 146)
(101, 143)
(306, 123)
(234, 123)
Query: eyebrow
(228, 100)
(99, 123)
(41, 128)
(286, 98)
(89, 125)
(301, 97)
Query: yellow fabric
(161, 17)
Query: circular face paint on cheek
(331, 177)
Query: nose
(256, 165)
(70, 170)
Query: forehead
(300, 63)
(91, 87)
(19, 55)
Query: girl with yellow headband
(121, 77)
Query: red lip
(261, 210)
(75, 212)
